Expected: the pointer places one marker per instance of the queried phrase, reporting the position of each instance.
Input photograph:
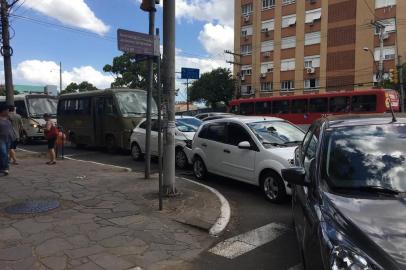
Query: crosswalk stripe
(243, 243)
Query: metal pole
(159, 127)
(402, 90)
(380, 72)
(169, 86)
(7, 52)
(60, 76)
(149, 97)
(187, 95)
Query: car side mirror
(244, 145)
(295, 176)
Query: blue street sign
(190, 73)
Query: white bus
(32, 107)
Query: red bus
(304, 109)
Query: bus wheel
(111, 145)
(136, 152)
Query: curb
(225, 210)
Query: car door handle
(227, 151)
(204, 145)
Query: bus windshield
(133, 103)
(38, 106)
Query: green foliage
(82, 87)
(213, 87)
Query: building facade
(291, 47)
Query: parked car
(186, 127)
(249, 149)
(202, 116)
(349, 194)
(219, 116)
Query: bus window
(340, 104)
(247, 108)
(20, 108)
(281, 106)
(83, 106)
(109, 107)
(263, 107)
(318, 105)
(235, 109)
(363, 103)
(299, 106)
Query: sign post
(189, 73)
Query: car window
(217, 132)
(237, 134)
(203, 132)
(20, 108)
(143, 125)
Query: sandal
(51, 162)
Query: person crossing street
(17, 124)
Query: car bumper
(189, 154)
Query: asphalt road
(249, 211)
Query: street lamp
(378, 74)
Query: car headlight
(188, 143)
(34, 125)
(342, 258)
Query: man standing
(6, 136)
(17, 124)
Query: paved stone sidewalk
(108, 219)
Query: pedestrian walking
(17, 124)
(51, 133)
(6, 137)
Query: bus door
(105, 119)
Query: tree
(82, 87)
(213, 88)
(3, 91)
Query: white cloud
(71, 12)
(216, 38)
(47, 72)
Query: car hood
(286, 153)
(379, 221)
(185, 135)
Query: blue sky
(204, 30)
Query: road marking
(243, 243)
(225, 210)
(296, 267)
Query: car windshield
(41, 105)
(182, 127)
(366, 156)
(276, 133)
(133, 103)
(190, 121)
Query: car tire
(181, 159)
(199, 168)
(136, 153)
(273, 187)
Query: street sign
(138, 43)
(190, 73)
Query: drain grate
(33, 206)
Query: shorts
(13, 145)
(51, 143)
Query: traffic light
(149, 5)
(393, 76)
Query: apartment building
(311, 46)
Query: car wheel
(136, 152)
(180, 159)
(111, 145)
(199, 169)
(273, 187)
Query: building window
(246, 49)
(266, 87)
(268, 4)
(246, 70)
(313, 15)
(288, 2)
(288, 21)
(389, 53)
(287, 85)
(312, 38)
(288, 42)
(267, 67)
(311, 83)
(384, 3)
(288, 64)
(312, 61)
(268, 25)
(246, 31)
(246, 89)
(267, 46)
(246, 10)
(390, 26)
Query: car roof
(183, 116)
(247, 119)
(361, 120)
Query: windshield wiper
(274, 144)
(293, 142)
(374, 189)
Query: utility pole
(402, 85)
(187, 95)
(60, 76)
(149, 5)
(169, 187)
(6, 50)
(381, 28)
(237, 93)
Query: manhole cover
(33, 206)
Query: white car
(186, 127)
(249, 149)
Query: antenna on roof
(391, 110)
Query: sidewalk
(107, 219)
